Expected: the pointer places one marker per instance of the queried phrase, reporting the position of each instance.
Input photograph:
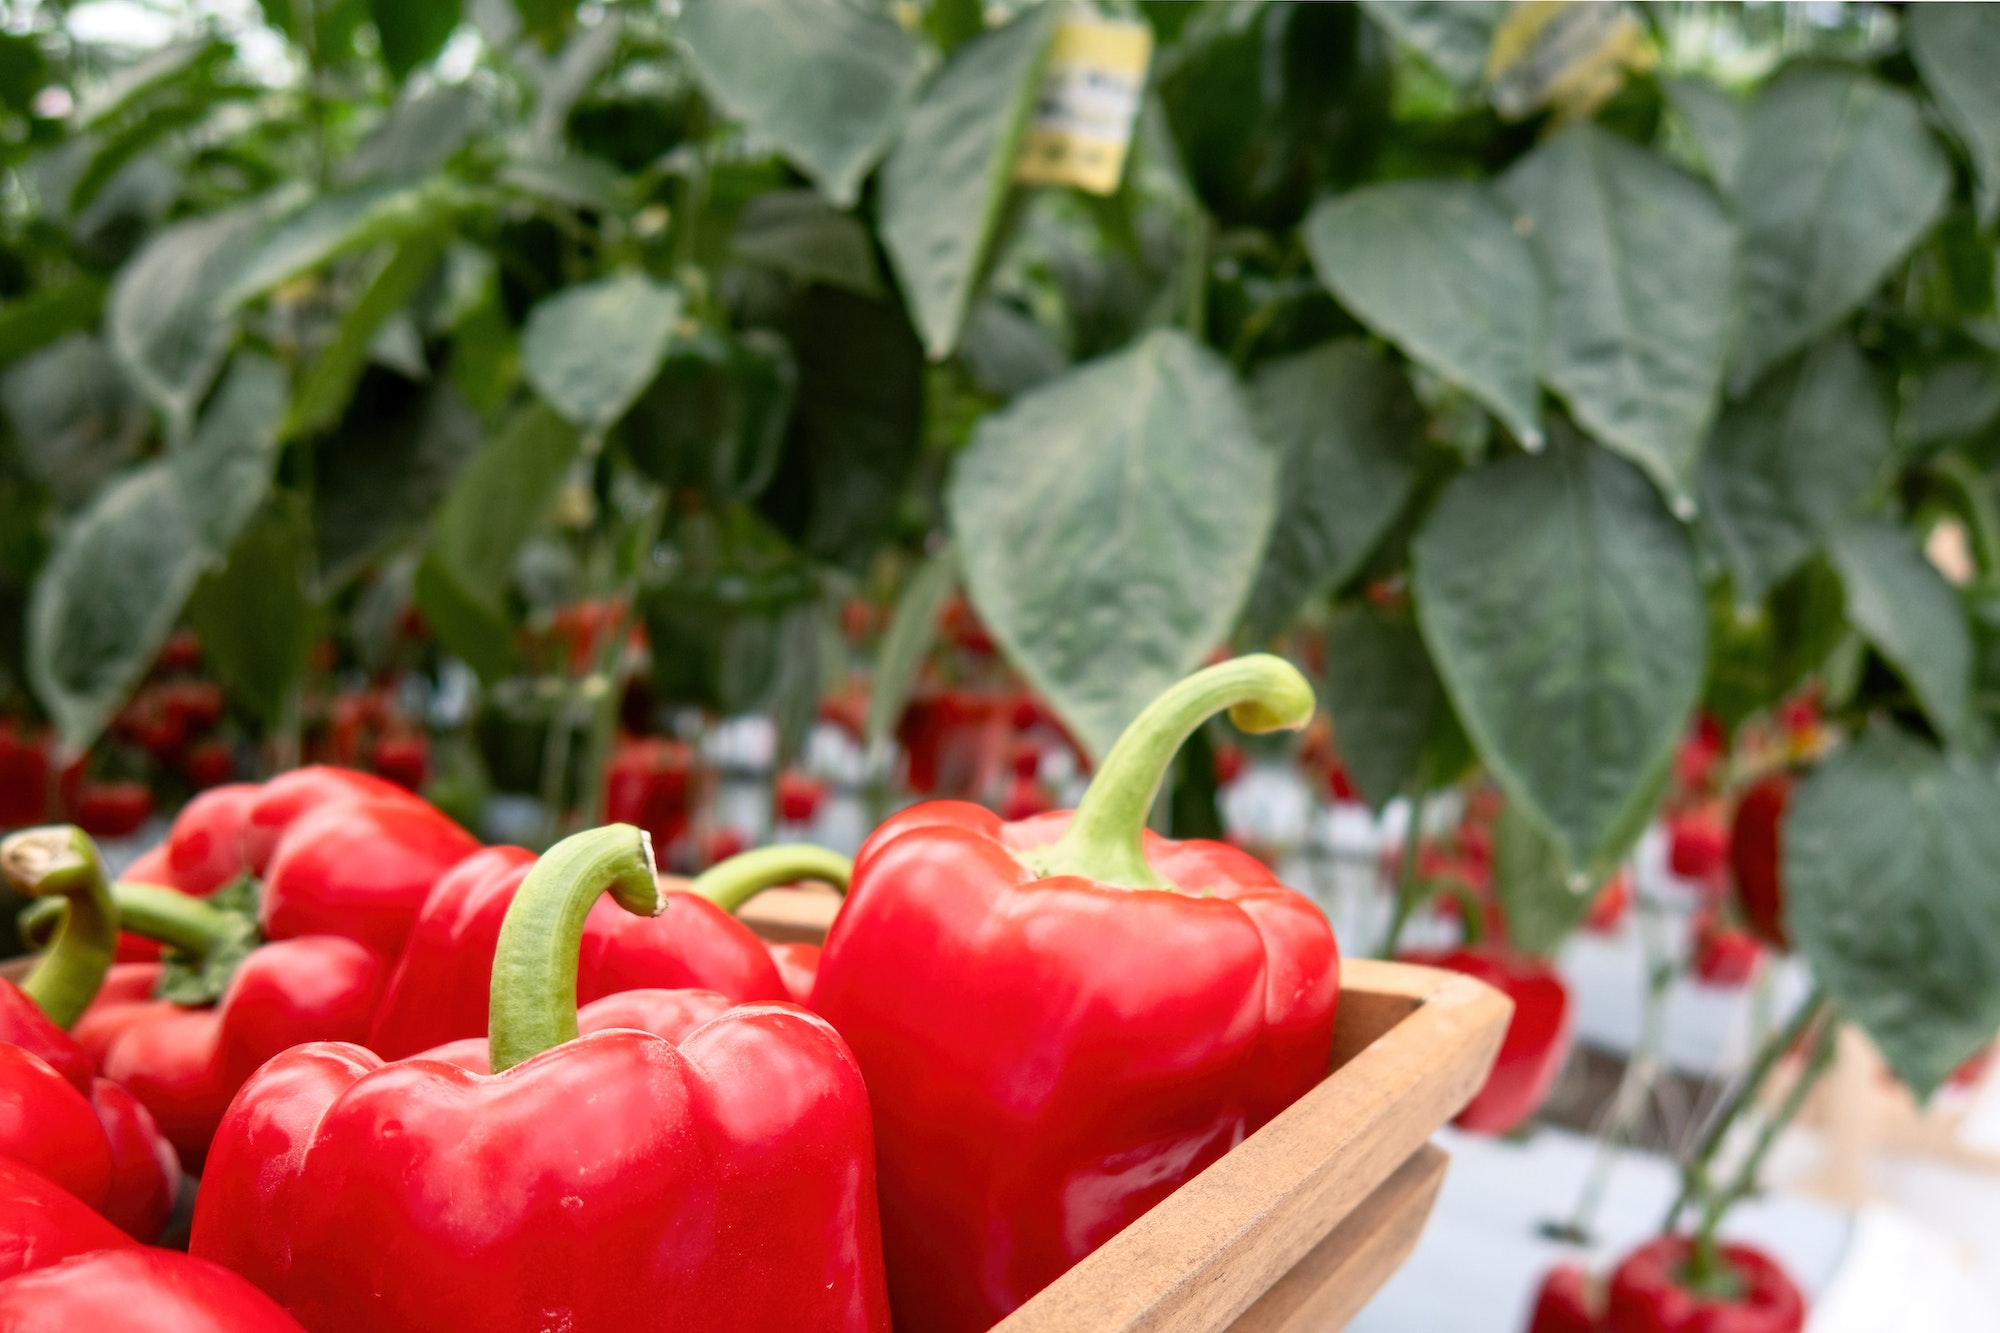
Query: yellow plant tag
(1572, 55)
(1088, 102)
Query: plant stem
(1821, 1059)
(1406, 876)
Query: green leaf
(111, 590)
(1385, 699)
(412, 31)
(339, 224)
(1455, 36)
(421, 131)
(1957, 48)
(1839, 179)
(256, 614)
(1436, 268)
(826, 81)
(1348, 428)
(1718, 121)
(1889, 849)
(76, 420)
(1109, 524)
(574, 182)
(225, 467)
(590, 349)
(912, 632)
(472, 629)
(1640, 265)
(1953, 401)
(383, 473)
(196, 982)
(126, 86)
(166, 320)
(1574, 549)
(1906, 610)
(42, 316)
(799, 234)
(1539, 900)
(1006, 351)
(502, 497)
(945, 184)
(1789, 463)
(329, 379)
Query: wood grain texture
(1410, 1047)
(1343, 1272)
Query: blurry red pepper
(616, 1177)
(85, 1133)
(799, 797)
(403, 757)
(1538, 1036)
(195, 704)
(646, 784)
(1063, 1020)
(1700, 755)
(1565, 1303)
(24, 778)
(1756, 853)
(138, 1291)
(1698, 845)
(439, 990)
(1723, 954)
(112, 809)
(1651, 1292)
(1608, 908)
(208, 764)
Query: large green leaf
(912, 632)
(412, 31)
(1540, 899)
(384, 471)
(1385, 699)
(256, 615)
(339, 224)
(1718, 122)
(798, 233)
(38, 318)
(75, 417)
(1561, 604)
(110, 592)
(167, 323)
(1109, 523)
(1435, 267)
(1640, 265)
(1889, 849)
(421, 131)
(1348, 428)
(1839, 179)
(944, 186)
(1957, 49)
(1952, 400)
(826, 81)
(329, 379)
(1912, 617)
(1456, 36)
(1787, 464)
(593, 348)
(225, 468)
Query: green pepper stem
(173, 918)
(744, 876)
(533, 1005)
(1104, 841)
(62, 861)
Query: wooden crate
(1303, 1221)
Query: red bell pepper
(1565, 1303)
(88, 1134)
(359, 869)
(439, 990)
(1724, 955)
(138, 1291)
(283, 800)
(41, 1223)
(1064, 1019)
(1538, 1036)
(1756, 851)
(112, 809)
(204, 848)
(721, 1182)
(1698, 845)
(24, 777)
(1651, 1292)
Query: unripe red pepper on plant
(1756, 852)
(439, 990)
(1062, 1020)
(618, 1179)
(1538, 1036)
(1651, 1293)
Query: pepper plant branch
(1407, 894)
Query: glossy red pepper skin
(23, 1024)
(1049, 1058)
(1756, 854)
(185, 1064)
(49, 1126)
(1648, 1296)
(1564, 1303)
(664, 1013)
(204, 848)
(285, 799)
(137, 1291)
(798, 968)
(439, 990)
(360, 869)
(41, 1223)
(1537, 1040)
(145, 1169)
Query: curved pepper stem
(533, 1004)
(177, 919)
(1104, 840)
(62, 861)
(742, 877)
